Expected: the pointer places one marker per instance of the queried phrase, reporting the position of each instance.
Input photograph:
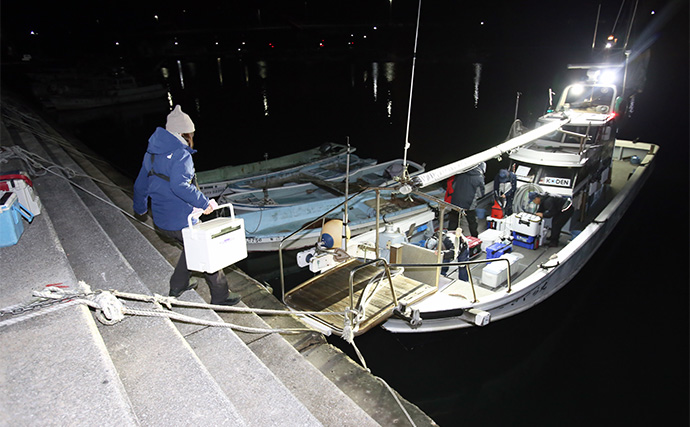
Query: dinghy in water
(325, 162)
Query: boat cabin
(575, 160)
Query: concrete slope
(356, 386)
(258, 394)
(51, 373)
(163, 377)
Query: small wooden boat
(319, 187)
(295, 227)
(327, 161)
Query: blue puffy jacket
(170, 186)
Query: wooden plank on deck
(329, 292)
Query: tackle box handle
(23, 211)
(199, 213)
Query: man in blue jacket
(167, 178)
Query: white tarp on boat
(468, 163)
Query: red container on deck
(475, 245)
(496, 211)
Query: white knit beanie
(179, 122)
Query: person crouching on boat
(167, 178)
(556, 207)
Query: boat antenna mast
(405, 177)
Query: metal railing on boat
(359, 308)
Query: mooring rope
(62, 142)
(348, 336)
(110, 309)
(170, 301)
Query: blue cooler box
(498, 249)
(527, 242)
(11, 224)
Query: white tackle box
(213, 245)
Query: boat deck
(621, 172)
(329, 293)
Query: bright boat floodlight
(593, 75)
(608, 77)
(577, 89)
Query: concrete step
(359, 398)
(326, 401)
(257, 393)
(163, 377)
(312, 349)
(40, 355)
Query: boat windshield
(571, 137)
(594, 99)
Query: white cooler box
(496, 273)
(489, 237)
(20, 184)
(526, 223)
(213, 245)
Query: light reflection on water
(246, 108)
(477, 78)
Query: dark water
(611, 348)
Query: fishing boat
(572, 152)
(317, 188)
(328, 161)
(432, 279)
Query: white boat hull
(443, 311)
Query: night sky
(112, 28)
